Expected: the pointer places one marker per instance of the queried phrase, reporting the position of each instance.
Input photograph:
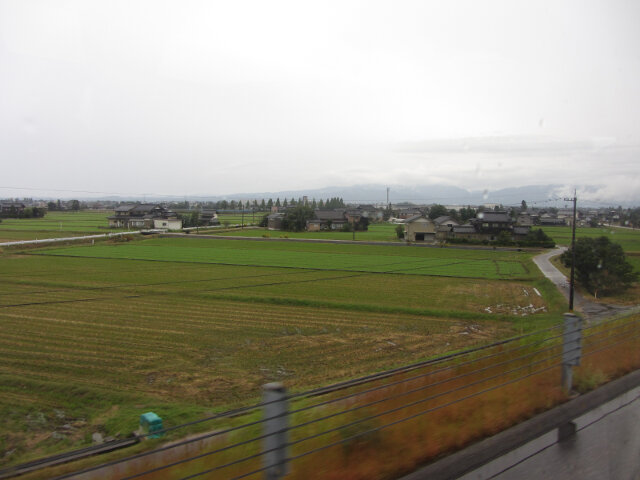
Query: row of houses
(144, 215)
(487, 226)
(357, 218)
(155, 216)
(11, 208)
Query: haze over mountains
(534, 195)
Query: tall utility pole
(573, 249)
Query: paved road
(66, 239)
(590, 310)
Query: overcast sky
(205, 97)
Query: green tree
(523, 206)
(400, 231)
(600, 266)
(538, 238)
(195, 218)
(454, 215)
(437, 211)
(75, 205)
(295, 220)
(467, 213)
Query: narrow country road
(66, 239)
(590, 310)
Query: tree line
(265, 205)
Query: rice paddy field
(55, 225)
(377, 232)
(628, 238)
(95, 335)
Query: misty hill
(540, 195)
(423, 194)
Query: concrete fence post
(571, 348)
(275, 429)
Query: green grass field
(359, 258)
(629, 239)
(377, 232)
(55, 224)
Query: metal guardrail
(66, 457)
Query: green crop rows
(362, 258)
(377, 232)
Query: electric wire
(416, 377)
(421, 388)
(410, 417)
(416, 402)
(384, 413)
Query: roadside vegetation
(600, 266)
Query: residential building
(144, 215)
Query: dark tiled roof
(333, 215)
(145, 208)
(124, 208)
(445, 219)
(414, 218)
(495, 217)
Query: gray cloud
(220, 97)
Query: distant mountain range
(534, 195)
